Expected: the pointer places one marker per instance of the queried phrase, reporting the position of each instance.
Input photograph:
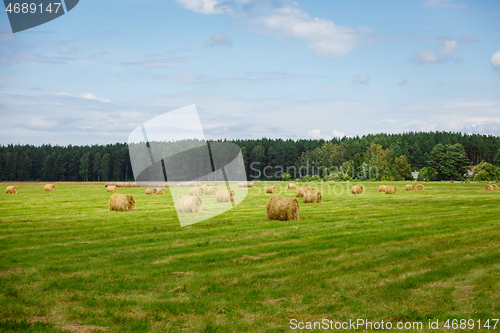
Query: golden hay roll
(410, 187)
(189, 204)
(160, 191)
(495, 187)
(381, 188)
(282, 209)
(150, 191)
(246, 184)
(225, 196)
(488, 188)
(390, 190)
(122, 202)
(50, 187)
(301, 191)
(312, 197)
(270, 189)
(292, 186)
(419, 187)
(357, 189)
(112, 188)
(210, 191)
(197, 191)
(11, 189)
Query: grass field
(67, 263)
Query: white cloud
(287, 20)
(205, 6)
(157, 63)
(183, 77)
(361, 79)
(444, 4)
(427, 56)
(495, 60)
(338, 134)
(91, 96)
(315, 134)
(219, 39)
(448, 50)
(322, 36)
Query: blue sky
(254, 68)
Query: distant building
(470, 173)
(415, 174)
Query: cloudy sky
(254, 68)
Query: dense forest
(390, 152)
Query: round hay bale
(312, 197)
(122, 202)
(495, 187)
(292, 186)
(11, 189)
(419, 187)
(410, 187)
(357, 189)
(150, 191)
(197, 191)
(189, 204)
(210, 191)
(270, 189)
(488, 188)
(381, 188)
(50, 187)
(246, 184)
(282, 209)
(301, 191)
(225, 196)
(390, 190)
(112, 188)
(160, 191)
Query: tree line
(392, 156)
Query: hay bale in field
(189, 204)
(312, 197)
(410, 187)
(357, 189)
(301, 191)
(292, 186)
(112, 188)
(225, 196)
(488, 188)
(495, 187)
(11, 189)
(246, 184)
(150, 191)
(282, 209)
(381, 188)
(210, 191)
(390, 190)
(197, 191)
(50, 187)
(122, 202)
(419, 187)
(160, 191)
(270, 189)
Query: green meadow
(67, 263)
